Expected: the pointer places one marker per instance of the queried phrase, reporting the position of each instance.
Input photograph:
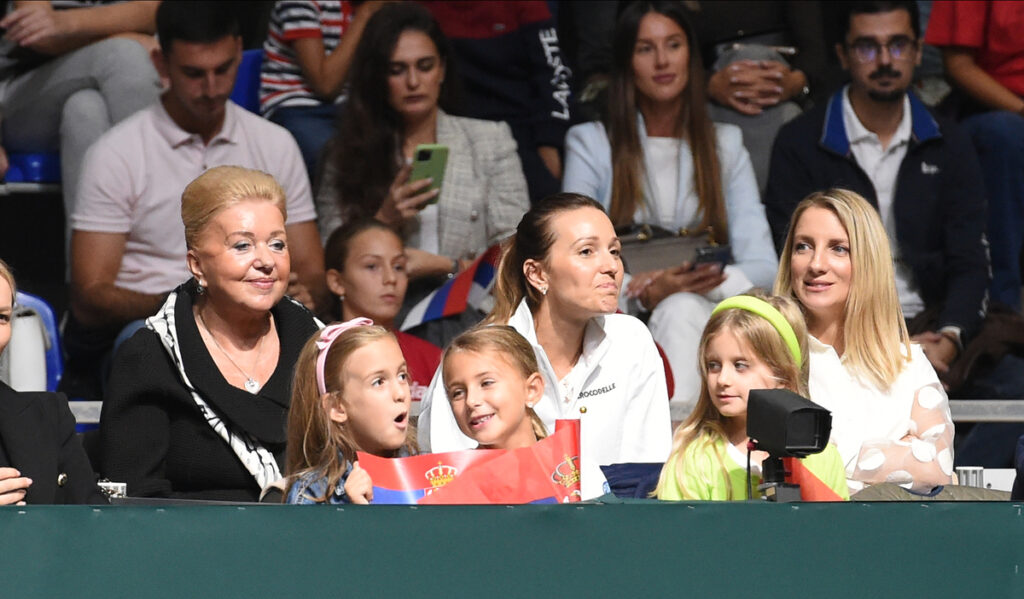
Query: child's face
(373, 278)
(733, 369)
(374, 401)
(489, 397)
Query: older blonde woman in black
(198, 400)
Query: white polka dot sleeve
(923, 457)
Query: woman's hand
(698, 279)
(13, 487)
(405, 199)
(421, 263)
(640, 281)
(359, 486)
(749, 86)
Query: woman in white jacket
(658, 159)
(890, 414)
(558, 285)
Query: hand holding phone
(429, 162)
(405, 198)
(720, 255)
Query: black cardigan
(37, 436)
(152, 435)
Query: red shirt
(422, 358)
(995, 30)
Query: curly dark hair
(366, 149)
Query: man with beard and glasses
(876, 138)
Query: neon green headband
(768, 312)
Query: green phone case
(429, 161)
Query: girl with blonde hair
(350, 393)
(558, 286)
(890, 414)
(492, 379)
(750, 342)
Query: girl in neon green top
(750, 342)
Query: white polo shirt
(882, 166)
(133, 176)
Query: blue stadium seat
(40, 167)
(247, 84)
(54, 359)
(44, 167)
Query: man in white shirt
(876, 138)
(127, 243)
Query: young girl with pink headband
(351, 393)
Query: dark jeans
(998, 137)
(312, 127)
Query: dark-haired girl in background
(366, 270)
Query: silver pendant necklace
(251, 384)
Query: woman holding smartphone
(658, 159)
(400, 79)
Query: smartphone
(720, 255)
(429, 161)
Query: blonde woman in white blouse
(890, 415)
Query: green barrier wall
(633, 550)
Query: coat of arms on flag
(547, 472)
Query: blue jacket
(311, 485)
(938, 202)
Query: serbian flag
(469, 288)
(547, 472)
(812, 488)
(407, 480)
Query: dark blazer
(938, 202)
(37, 436)
(153, 436)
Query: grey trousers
(68, 102)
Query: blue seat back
(37, 167)
(247, 84)
(54, 358)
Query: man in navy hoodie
(875, 137)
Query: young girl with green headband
(751, 342)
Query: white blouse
(901, 435)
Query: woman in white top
(658, 159)
(890, 415)
(558, 286)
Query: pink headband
(327, 337)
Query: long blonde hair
(314, 440)
(705, 425)
(511, 345)
(872, 318)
